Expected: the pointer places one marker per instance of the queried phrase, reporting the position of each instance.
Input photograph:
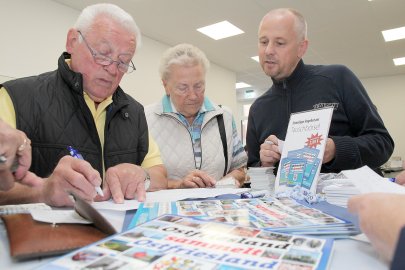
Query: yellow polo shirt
(7, 114)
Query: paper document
(21, 208)
(168, 195)
(366, 181)
(58, 216)
(361, 237)
(228, 182)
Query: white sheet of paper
(361, 237)
(230, 182)
(366, 181)
(58, 216)
(21, 208)
(168, 195)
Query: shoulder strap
(221, 127)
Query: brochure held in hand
(303, 150)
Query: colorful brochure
(303, 150)
(262, 213)
(173, 242)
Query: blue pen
(74, 153)
(253, 194)
(392, 179)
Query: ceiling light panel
(256, 58)
(394, 34)
(399, 61)
(220, 30)
(241, 85)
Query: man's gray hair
(89, 14)
(183, 55)
(300, 24)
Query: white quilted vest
(175, 144)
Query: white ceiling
(339, 31)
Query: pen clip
(74, 153)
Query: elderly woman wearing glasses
(81, 105)
(198, 140)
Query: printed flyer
(303, 150)
(172, 242)
(282, 214)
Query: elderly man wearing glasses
(82, 105)
(198, 139)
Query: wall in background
(36, 34)
(388, 94)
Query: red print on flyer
(314, 141)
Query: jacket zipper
(191, 138)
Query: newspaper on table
(174, 242)
(269, 213)
(303, 150)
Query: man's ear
(71, 40)
(302, 48)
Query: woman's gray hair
(183, 55)
(89, 14)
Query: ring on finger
(23, 145)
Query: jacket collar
(168, 106)
(293, 79)
(72, 79)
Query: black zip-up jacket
(398, 261)
(356, 128)
(51, 110)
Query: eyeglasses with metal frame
(106, 61)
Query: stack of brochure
(336, 188)
(282, 215)
(262, 178)
(174, 242)
(339, 193)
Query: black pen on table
(74, 153)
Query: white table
(347, 254)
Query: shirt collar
(101, 106)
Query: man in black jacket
(357, 134)
(82, 105)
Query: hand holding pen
(400, 178)
(270, 151)
(70, 176)
(122, 181)
(74, 153)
